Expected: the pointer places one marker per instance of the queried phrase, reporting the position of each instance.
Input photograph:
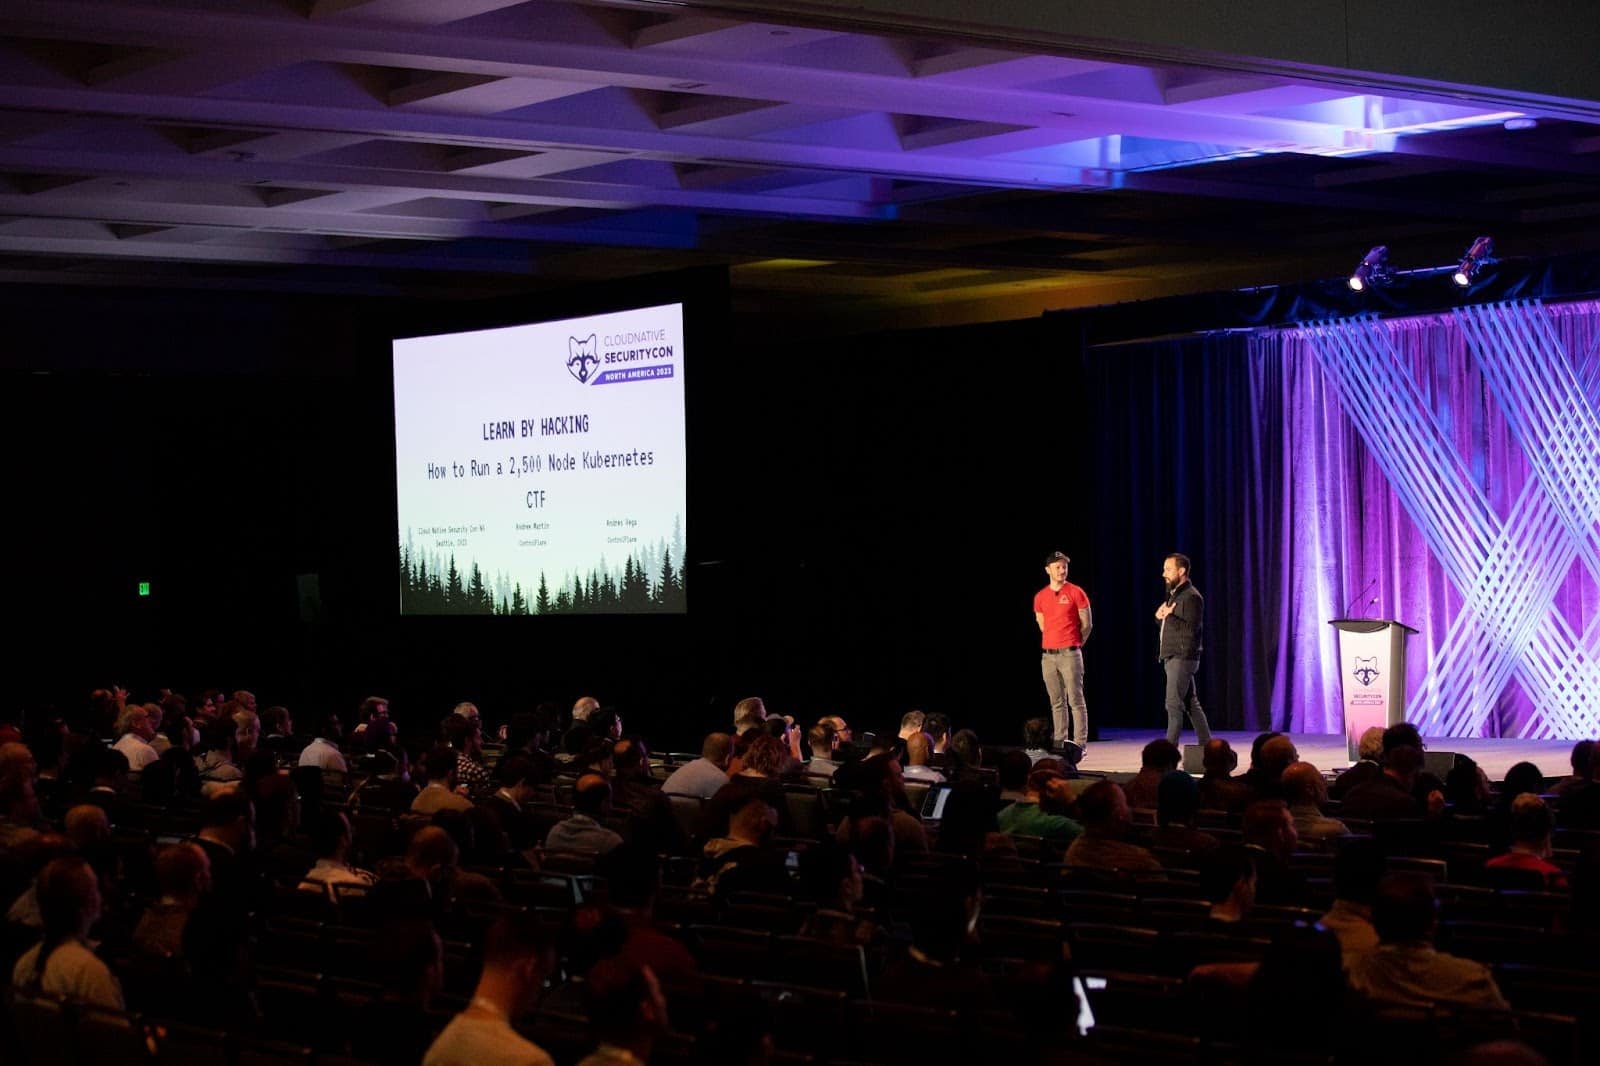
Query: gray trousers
(1063, 679)
(1181, 698)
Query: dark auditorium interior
(963, 285)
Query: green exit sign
(144, 588)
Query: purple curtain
(1346, 528)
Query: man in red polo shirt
(1062, 610)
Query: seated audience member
(749, 713)
(333, 851)
(1270, 756)
(879, 792)
(583, 707)
(1389, 795)
(183, 875)
(135, 731)
(964, 752)
(1296, 997)
(1368, 766)
(783, 730)
(375, 730)
(216, 762)
(919, 753)
(823, 743)
(1306, 793)
(1532, 825)
(705, 775)
(744, 860)
(278, 736)
(1228, 879)
(934, 971)
(1106, 821)
(583, 831)
(246, 734)
(1466, 788)
(841, 732)
(1015, 766)
(440, 794)
(323, 751)
(937, 726)
(627, 1012)
(1177, 802)
(1036, 736)
(911, 724)
(63, 964)
(464, 734)
(830, 877)
(637, 794)
(1356, 872)
(969, 826)
(1270, 835)
(1404, 969)
(1159, 758)
(28, 855)
(632, 874)
(1027, 817)
(281, 850)
(517, 959)
(519, 778)
(1219, 789)
(1582, 771)
(388, 786)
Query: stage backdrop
(1443, 470)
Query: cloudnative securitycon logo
(583, 357)
(1366, 670)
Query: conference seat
(1540, 910)
(1026, 938)
(1100, 945)
(1467, 902)
(723, 949)
(1100, 907)
(821, 964)
(686, 812)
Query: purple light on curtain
(1344, 524)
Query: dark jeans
(1181, 697)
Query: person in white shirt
(332, 867)
(517, 958)
(63, 964)
(323, 751)
(919, 752)
(705, 775)
(137, 732)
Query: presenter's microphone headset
(1352, 605)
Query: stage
(1117, 751)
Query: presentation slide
(540, 469)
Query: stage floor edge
(1117, 751)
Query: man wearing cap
(1062, 611)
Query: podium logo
(1366, 670)
(583, 357)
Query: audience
(583, 832)
(1106, 821)
(1159, 758)
(703, 776)
(196, 901)
(1405, 969)
(517, 959)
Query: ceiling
(479, 147)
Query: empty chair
(819, 963)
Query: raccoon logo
(582, 360)
(1366, 670)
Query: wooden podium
(1372, 675)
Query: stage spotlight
(1478, 256)
(1373, 271)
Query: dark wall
(867, 520)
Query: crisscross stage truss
(1508, 570)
